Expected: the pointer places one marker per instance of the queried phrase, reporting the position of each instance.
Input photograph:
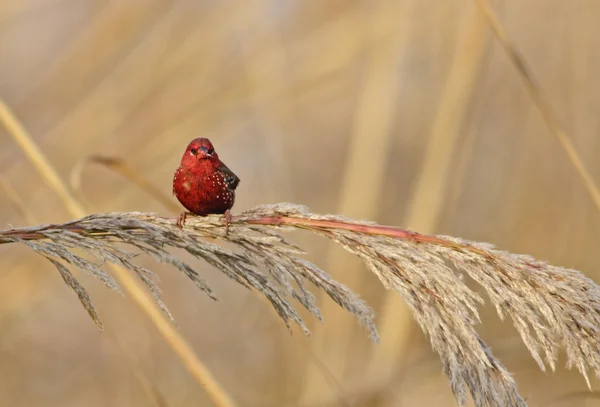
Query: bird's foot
(227, 218)
(181, 219)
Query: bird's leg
(181, 219)
(227, 218)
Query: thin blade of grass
(122, 168)
(540, 101)
(16, 200)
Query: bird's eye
(211, 150)
(194, 151)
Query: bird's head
(199, 149)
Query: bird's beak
(204, 151)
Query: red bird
(202, 183)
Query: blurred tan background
(407, 112)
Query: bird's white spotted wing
(230, 179)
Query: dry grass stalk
(540, 102)
(551, 307)
(150, 389)
(16, 201)
(121, 167)
(179, 345)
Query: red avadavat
(202, 183)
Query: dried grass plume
(551, 307)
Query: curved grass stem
(180, 346)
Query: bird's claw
(227, 218)
(181, 219)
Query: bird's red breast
(202, 183)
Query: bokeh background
(407, 112)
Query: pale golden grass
(179, 345)
(37, 158)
